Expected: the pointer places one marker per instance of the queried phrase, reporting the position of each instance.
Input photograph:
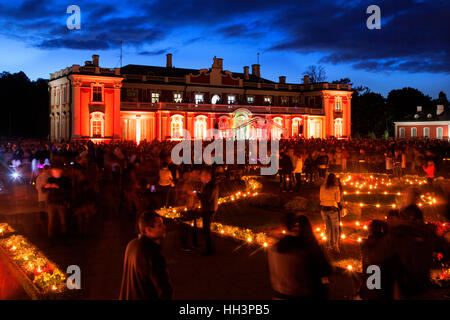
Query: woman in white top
(330, 196)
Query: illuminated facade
(147, 102)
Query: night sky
(411, 49)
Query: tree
(403, 102)
(343, 81)
(368, 113)
(316, 74)
(24, 111)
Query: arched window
(297, 124)
(215, 99)
(176, 127)
(338, 127)
(277, 128)
(97, 124)
(200, 127)
(224, 127)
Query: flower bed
(40, 277)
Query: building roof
(428, 115)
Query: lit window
(215, 99)
(198, 98)
(155, 97)
(338, 128)
(296, 126)
(284, 101)
(231, 99)
(277, 128)
(268, 100)
(314, 128)
(97, 94)
(439, 133)
(200, 127)
(338, 104)
(97, 124)
(176, 127)
(250, 99)
(177, 97)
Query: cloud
(413, 38)
(156, 52)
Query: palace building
(140, 103)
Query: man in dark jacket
(209, 199)
(145, 275)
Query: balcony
(220, 108)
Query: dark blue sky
(411, 49)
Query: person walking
(145, 275)
(330, 196)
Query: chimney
(419, 108)
(218, 63)
(246, 74)
(169, 60)
(256, 70)
(439, 109)
(306, 79)
(95, 58)
(282, 79)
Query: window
(250, 99)
(177, 97)
(155, 97)
(314, 128)
(215, 99)
(231, 99)
(176, 127)
(267, 100)
(338, 127)
(64, 95)
(198, 98)
(401, 132)
(284, 101)
(294, 100)
(277, 128)
(439, 133)
(97, 94)
(413, 132)
(296, 127)
(338, 104)
(97, 124)
(200, 127)
(224, 127)
(426, 132)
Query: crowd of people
(81, 180)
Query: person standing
(145, 275)
(429, 170)
(41, 180)
(165, 183)
(58, 199)
(330, 196)
(209, 199)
